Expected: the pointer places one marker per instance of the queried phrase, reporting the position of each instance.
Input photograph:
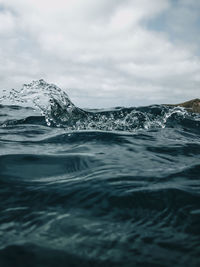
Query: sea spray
(59, 111)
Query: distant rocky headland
(192, 105)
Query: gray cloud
(104, 53)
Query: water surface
(117, 187)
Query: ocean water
(115, 187)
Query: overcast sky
(103, 52)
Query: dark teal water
(116, 187)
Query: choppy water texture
(118, 187)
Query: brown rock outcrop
(192, 105)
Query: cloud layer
(104, 53)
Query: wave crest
(53, 103)
(59, 111)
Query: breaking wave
(58, 110)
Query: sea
(97, 187)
